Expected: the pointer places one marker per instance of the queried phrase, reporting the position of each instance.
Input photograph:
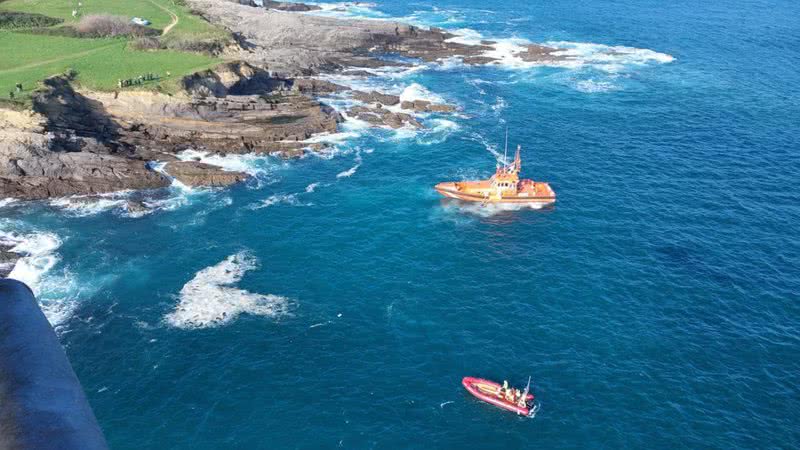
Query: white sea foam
(604, 57)
(488, 210)
(287, 199)
(276, 199)
(439, 131)
(350, 10)
(249, 163)
(84, 205)
(466, 36)
(416, 91)
(159, 166)
(351, 171)
(7, 201)
(489, 146)
(607, 57)
(38, 256)
(210, 299)
(38, 251)
(593, 86)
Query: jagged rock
(7, 260)
(376, 97)
(327, 43)
(384, 117)
(314, 86)
(426, 106)
(359, 73)
(535, 53)
(290, 6)
(136, 207)
(195, 173)
(41, 174)
(478, 60)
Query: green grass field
(152, 10)
(29, 58)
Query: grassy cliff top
(28, 55)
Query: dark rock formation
(426, 106)
(91, 143)
(8, 260)
(42, 174)
(383, 117)
(376, 97)
(195, 173)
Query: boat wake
(487, 210)
(210, 299)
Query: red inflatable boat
(491, 392)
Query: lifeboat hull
(486, 391)
(450, 190)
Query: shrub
(212, 46)
(106, 25)
(13, 20)
(147, 43)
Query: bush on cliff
(16, 20)
(107, 25)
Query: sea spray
(211, 299)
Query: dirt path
(55, 60)
(175, 18)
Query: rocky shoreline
(264, 101)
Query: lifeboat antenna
(527, 388)
(505, 153)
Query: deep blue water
(656, 305)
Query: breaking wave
(275, 199)
(38, 256)
(85, 205)
(210, 299)
(416, 91)
(349, 10)
(249, 163)
(351, 171)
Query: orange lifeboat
(504, 187)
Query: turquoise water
(655, 306)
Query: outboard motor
(42, 404)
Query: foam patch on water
(592, 86)
(416, 91)
(491, 147)
(277, 199)
(440, 130)
(347, 10)
(249, 163)
(85, 205)
(287, 199)
(38, 251)
(351, 171)
(609, 58)
(7, 202)
(211, 298)
(487, 210)
(38, 256)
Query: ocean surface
(337, 300)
